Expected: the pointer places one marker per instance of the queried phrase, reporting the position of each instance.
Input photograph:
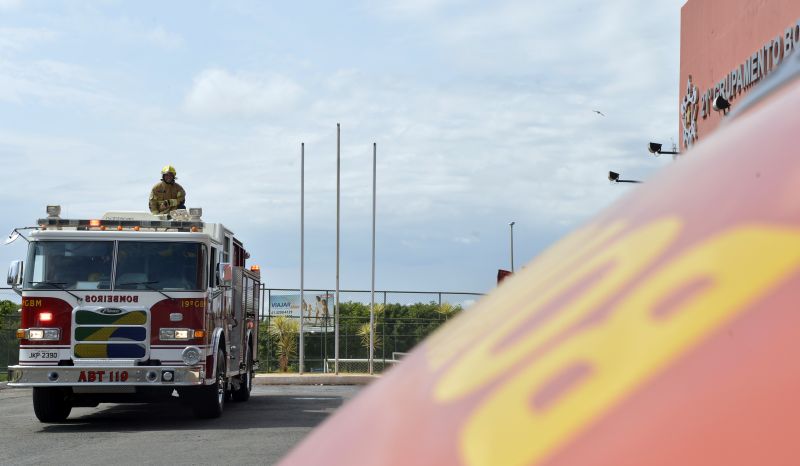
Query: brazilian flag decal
(100, 335)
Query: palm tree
(446, 309)
(284, 330)
(363, 330)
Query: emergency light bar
(116, 224)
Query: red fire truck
(132, 307)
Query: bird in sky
(599, 112)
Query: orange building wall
(717, 37)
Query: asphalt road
(259, 431)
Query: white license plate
(42, 355)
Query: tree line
(8, 308)
(398, 328)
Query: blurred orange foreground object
(663, 332)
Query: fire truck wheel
(243, 392)
(51, 404)
(210, 399)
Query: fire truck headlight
(191, 355)
(44, 334)
(175, 334)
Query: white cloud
(412, 8)
(49, 81)
(10, 4)
(164, 39)
(15, 39)
(467, 240)
(217, 92)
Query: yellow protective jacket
(166, 197)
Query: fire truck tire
(51, 404)
(210, 399)
(246, 385)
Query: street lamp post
(512, 245)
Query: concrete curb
(314, 379)
(305, 379)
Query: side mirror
(225, 274)
(12, 237)
(14, 278)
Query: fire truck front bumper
(110, 376)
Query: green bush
(398, 327)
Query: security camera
(613, 176)
(654, 148)
(721, 104)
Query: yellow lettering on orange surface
(550, 268)
(632, 345)
(622, 261)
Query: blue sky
(482, 112)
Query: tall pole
(269, 322)
(336, 307)
(302, 249)
(372, 300)
(512, 245)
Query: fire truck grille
(104, 333)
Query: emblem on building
(689, 110)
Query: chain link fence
(9, 345)
(402, 320)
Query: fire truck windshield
(145, 265)
(140, 265)
(69, 265)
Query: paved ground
(259, 431)
(314, 379)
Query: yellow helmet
(168, 169)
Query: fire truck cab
(132, 307)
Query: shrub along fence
(9, 345)
(402, 320)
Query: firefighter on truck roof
(167, 195)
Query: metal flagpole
(336, 307)
(302, 250)
(372, 301)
